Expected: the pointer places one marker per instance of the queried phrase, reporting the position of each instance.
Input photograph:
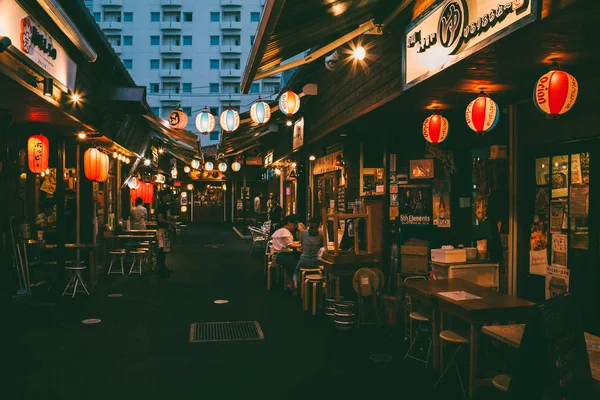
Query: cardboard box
(498, 151)
(414, 257)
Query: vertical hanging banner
(451, 30)
(441, 208)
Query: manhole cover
(221, 301)
(225, 331)
(115, 295)
(380, 358)
(91, 321)
(214, 246)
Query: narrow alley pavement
(140, 349)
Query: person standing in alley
(163, 214)
(138, 215)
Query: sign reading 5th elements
(451, 30)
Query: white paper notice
(459, 295)
(538, 262)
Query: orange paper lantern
(95, 165)
(38, 151)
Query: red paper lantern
(146, 192)
(435, 128)
(482, 114)
(38, 151)
(555, 92)
(95, 165)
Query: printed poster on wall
(441, 208)
(538, 262)
(558, 215)
(557, 281)
(559, 249)
(415, 204)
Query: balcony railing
(111, 25)
(170, 48)
(171, 3)
(230, 97)
(227, 48)
(231, 3)
(170, 73)
(170, 25)
(231, 73)
(111, 3)
(231, 25)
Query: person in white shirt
(138, 215)
(257, 201)
(282, 238)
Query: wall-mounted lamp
(5, 42)
(48, 86)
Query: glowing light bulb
(147, 162)
(81, 135)
(277, 171)
(312, 158)
(75, 97)
(360, 53)
(288, 123)
(294, 165)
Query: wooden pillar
(512, 200)
(59, 196)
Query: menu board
(341, 198)
(554, 362)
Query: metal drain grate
(225, 331)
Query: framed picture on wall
(421, 169)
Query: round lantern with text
(289, 103)
(177, 119)
(196, 164)
(133, 183)
(236, 166)
(435, 128)
(230, 120)
(260, 112)
(208, 166)
(222, 166)
(95, 165)
(38, 151)
(205, 122)
(555, 93)
(482, 114)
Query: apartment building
(186, 52)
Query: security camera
(4, 43)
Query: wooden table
(491, 307)
(512, 335)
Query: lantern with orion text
(177, 119)
(260, 112)
(222, 166)
(205, 122)
(230, 120)
(435, 128)
(95, 165)
(482, 114)
(555, 93)
(133, 183)
(208, 166)
(38, 151)
(196, 164)
(289, 103)
(236, 166)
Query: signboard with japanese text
(34, 42)
(451, 30)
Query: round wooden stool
(303, 272)
(453, 337)
(419, 319)
(138, 260)
(317, 282)
(75, 279)
(501, 382)
(117, 255)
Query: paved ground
(140, 350)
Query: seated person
(282, 239)
(311, 241)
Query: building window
(215, 40)
(214, 64)
(154, 88)
(215, 17)
(127, 40)
(187, 40)
(214, 111)
(127, 17)
(252, 37)
(187, 111)
(128, 64)
(154, 17)
(214, 136)
(187, 64)
(255, 88)
(188, 17)
(155, 110)
(186, 88)
(214, 88)
(154, 64)
(97, 16)
(254, 16)
(154, 40)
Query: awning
(290, 27)
(180, 143)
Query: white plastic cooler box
(481, 273)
